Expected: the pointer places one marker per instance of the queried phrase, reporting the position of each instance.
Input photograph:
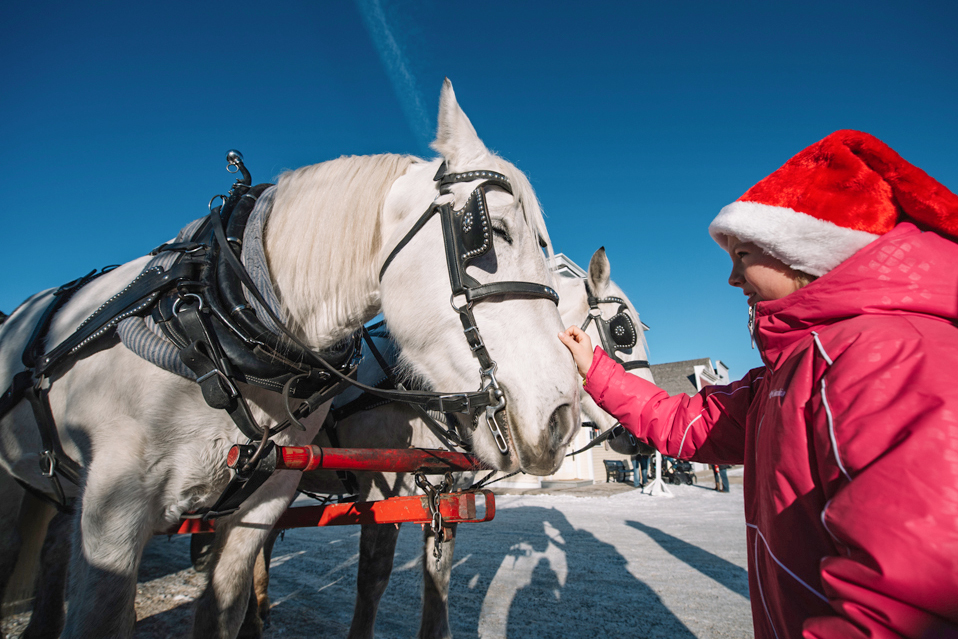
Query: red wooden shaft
(454, 507)
(382, 460)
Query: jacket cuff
(599, 373)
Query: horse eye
(502, 232)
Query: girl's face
(760, 276)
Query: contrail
(397, 68)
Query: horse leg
(109, 535)
(221, 608)
(257, 611)
(435, 596)
(46, 622)
(377, 548)
(10, 540)
(201, 549)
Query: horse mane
(323, 237)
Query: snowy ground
(599, 561)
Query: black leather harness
(199, 305)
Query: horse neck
(573, 305)
(323, 241)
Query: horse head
(612, 322)
(500, 294)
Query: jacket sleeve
(707, 427)
(886, 429)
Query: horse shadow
(730, 575)
(551, 583)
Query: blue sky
(636, 122)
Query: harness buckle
(456, 397)
(476, 344)
(234, 392)
(48, 464)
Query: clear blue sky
(635, 121)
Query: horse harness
(199, 304)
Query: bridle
(467, 235)
(617, 333)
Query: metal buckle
(479, 343)
(48, 463)
(234, 392)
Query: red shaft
(381, 460)
(454, 507)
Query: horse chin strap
(467, 235)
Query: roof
(678, 377)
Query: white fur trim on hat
(801, 241)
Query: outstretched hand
(580, 345)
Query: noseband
(467, 235)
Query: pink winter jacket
(849, 437)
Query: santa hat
(832, 199)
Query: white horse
(151, 449)
(398, 426)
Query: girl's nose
(734, 278)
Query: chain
(433, 494)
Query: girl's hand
(580, 346)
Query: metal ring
(460, 309)
(212, 199)
(182, 298)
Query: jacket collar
(904, 272)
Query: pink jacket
(849, 437)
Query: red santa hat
(832, 199)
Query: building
(690, 376)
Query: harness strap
(615, 431)
(449, 438)
(61, 296)
(138, 296)
(421, 222)
(202, 356)
(527, 289)
(53, 460)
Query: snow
(600, 561)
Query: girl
(849, 433)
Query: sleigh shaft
(456, 508)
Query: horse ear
(599, 271)
(456, 139)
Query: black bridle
(467, 235)
(618, 333)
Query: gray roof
(678, 377)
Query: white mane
(323, 237)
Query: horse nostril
(557, 423)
